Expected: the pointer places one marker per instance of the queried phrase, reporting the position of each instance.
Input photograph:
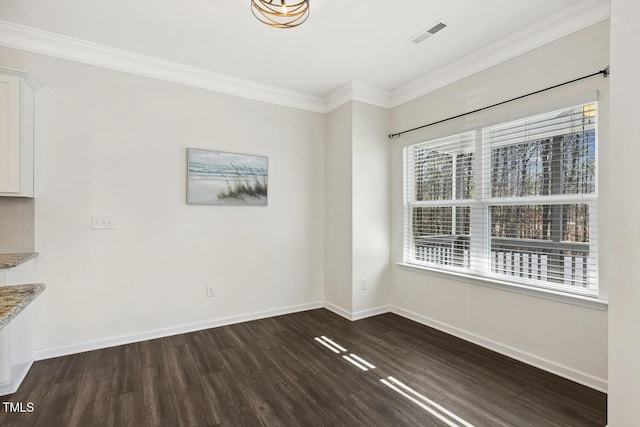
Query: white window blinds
(439, 188)
(515, 201)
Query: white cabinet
(16, 134)
(16, 352)
(5, 359)
(16, 338)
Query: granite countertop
(13, 260)
(14, 299)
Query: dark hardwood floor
(272, 372)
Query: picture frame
(224, 178)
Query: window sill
(579, 300)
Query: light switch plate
(102, 222)
(211, 291)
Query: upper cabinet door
(9, 134)
(16, 134)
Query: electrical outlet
(211, 291)
(363, 284)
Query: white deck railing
(562, 263)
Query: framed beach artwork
(219, 178)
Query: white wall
(371, 207)
(357, 210)
(624, 223)
(115, 144)
(338, 210)
(567, 339)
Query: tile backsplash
(17, 225)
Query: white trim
(363, 314)
(583, 378)
(13, 386)
(66, 350)
(23, 75)
(338, 310)
(548, 294)
(339, 97)
(371, 95)
(567, 21)
(554, 27)
(59, 46)
(356, 91)
(356, 315)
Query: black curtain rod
(605, 73)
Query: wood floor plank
(125, 410)
(151, 353)
(204, 354)
(260, 404)
(195, 408)
(224, 338)
(313, 400)
(158, 396)
(181, 368)
(226, 396)
(71, 368)
(383, 404)
(252, 358)
(273, 372)
(92, 398)
(57, 407)
(127, 370)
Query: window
(515, 202)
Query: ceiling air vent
(425, 34)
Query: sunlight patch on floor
(353, 362)
(425, 403)
(438, 411)
(335, 350)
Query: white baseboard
(356, 315)
(13, 385)
(66, 350)
(363, 314)
(338, 310)
(528, 358)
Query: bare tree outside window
(536, 198)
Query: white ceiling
(343, 41)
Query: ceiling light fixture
(286, 14)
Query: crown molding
(41, 42)
(371, 95)
(554, 27)
(356, 91)
(339, 97)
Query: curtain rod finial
(606, 72)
